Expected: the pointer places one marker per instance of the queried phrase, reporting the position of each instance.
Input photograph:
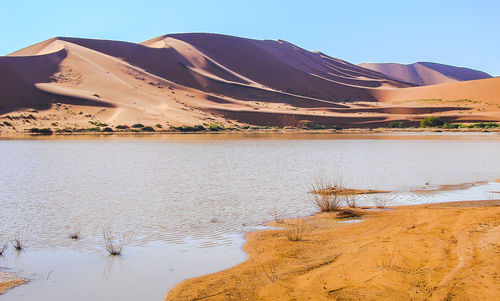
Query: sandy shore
(353, 131)
(8, 281)
(427, 252)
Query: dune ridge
(426, 73)
(198, 78)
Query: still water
(188, 199)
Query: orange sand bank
(8, 281)
(436, 252)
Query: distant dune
(425, 73)
(190, 79)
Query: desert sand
(425, 73)
(8, 281)
(426, 252)
(191, 79)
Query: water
(189, 199)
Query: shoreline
(430, 251)
(353, 131)
(8, 281)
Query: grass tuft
(115, 245)
(3, 247)
(18, 243)
(295, 230)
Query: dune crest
(426, 73)
(197, 78)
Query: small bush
(294, 231)
(99, 124)
(18, 243)
(395, 124)
(214, 127)
(138, 125)
(115, 246)
(159, 125)
(188, 128)
(96, 129)
(7, 123)
(327, 203)
(431, 121)
(451, 126)
(486, 125)
(148, 129)
(380, 203)
(74, 234)
(313, 126)
(3, 247)
(44, 131)
(107, 129)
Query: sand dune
(425, 73)
(189, 79)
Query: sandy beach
(425, 252)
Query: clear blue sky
(460, 32)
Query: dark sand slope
(425, 73)
(189, 79)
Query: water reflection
(189, 199)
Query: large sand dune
(425, 73)
(189, 79)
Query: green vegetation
(99, 124)
(138, 126)
(215, 127)
(96, 129)
(486, 125)
(431, 121)
(396, 125)
(188, 128)
(159, 125)
(313, 126)
(107, 129)
(148, 129)
(44, 131)
(122, 127)
(434, 121)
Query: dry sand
(427, 252)
(190, 79)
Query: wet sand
(8, 281)
(424, 252)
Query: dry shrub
(115, 245)
(295, 230)
(74, 234)
(380, 203)
(18, 242)
(3, 247)
(324, 185)
(326, 202)
(278, 218)
(350, 202)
